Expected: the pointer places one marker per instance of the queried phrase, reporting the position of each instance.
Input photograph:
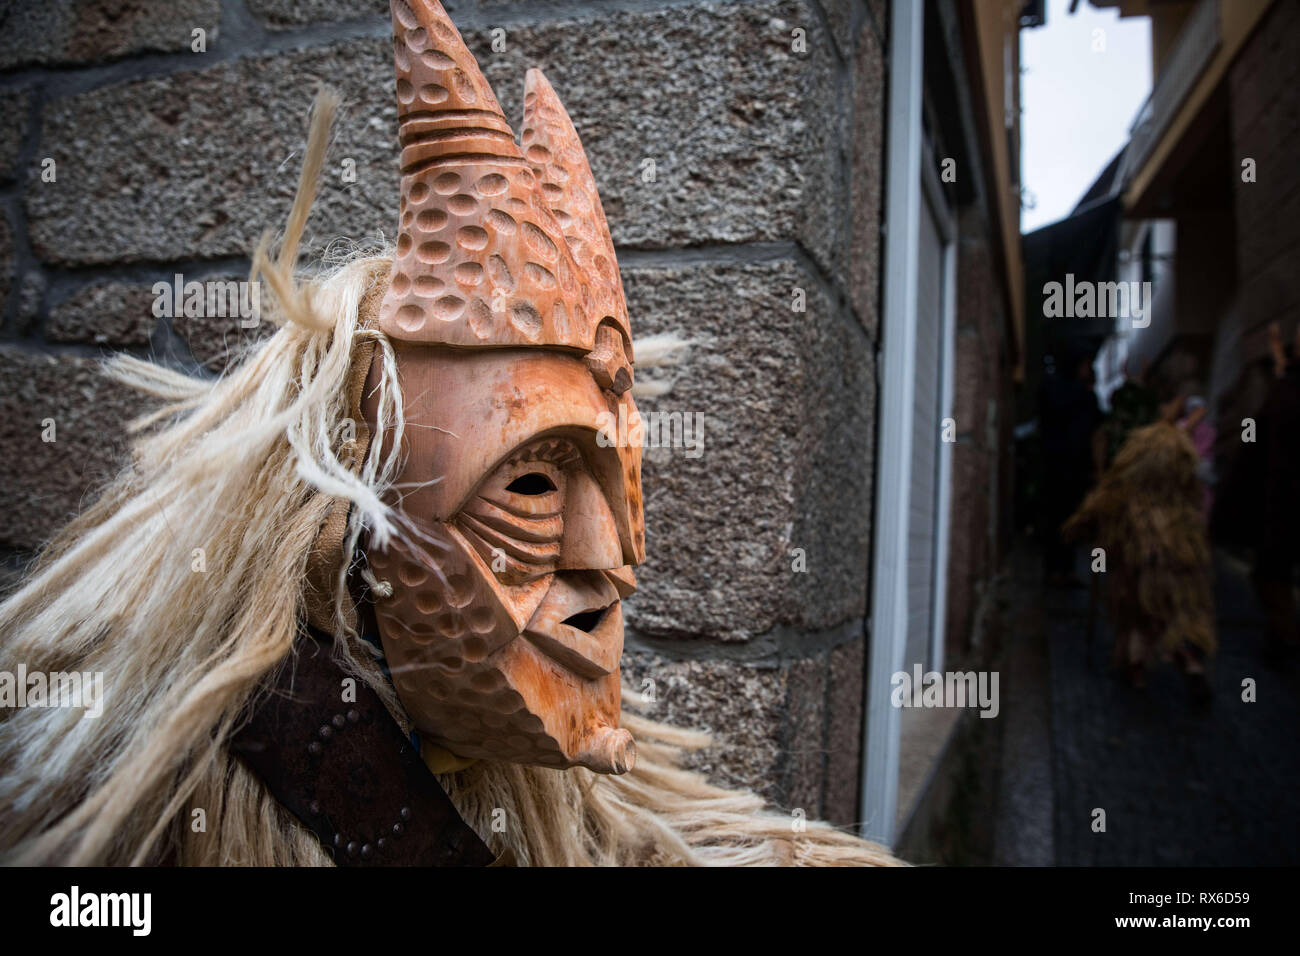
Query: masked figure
(415, 535)
(511, 337)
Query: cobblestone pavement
(1180, 787)
(1024, 826)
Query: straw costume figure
(358, 601)
(1147, 514)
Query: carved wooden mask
(504, 629)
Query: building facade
(1209, 206)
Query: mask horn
(555, 154)
(446, 110)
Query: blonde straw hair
(183, 586)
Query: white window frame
(907, 188)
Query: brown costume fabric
(1146, 513)
(347, 772)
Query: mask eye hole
(533, 483)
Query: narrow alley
(1180, 785)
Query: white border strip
(946, 221)
(894, 449)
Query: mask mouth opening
(587, 621)
(579, 624)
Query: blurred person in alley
(1195, 421)
(1146, 514)
(1133, 405)
(1069, 420)
(1259, 503)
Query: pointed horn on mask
(446, 109)
(480, 261)
(554, 152)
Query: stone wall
(982, 410)
(1265, 127)
(1259, 250)
(767, 177)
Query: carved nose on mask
(590, 541)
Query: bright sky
(1079, 93)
